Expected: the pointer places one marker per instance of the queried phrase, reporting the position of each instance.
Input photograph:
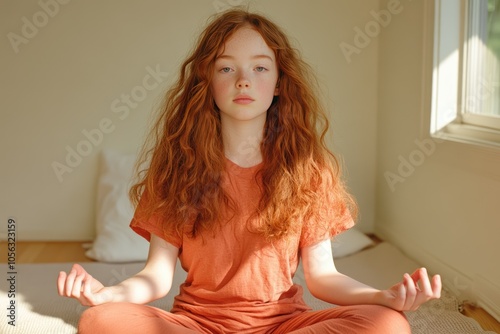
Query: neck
(242, 141)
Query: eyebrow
(224, 56)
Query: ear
(277, 89)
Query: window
(466, 71)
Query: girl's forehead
(246, 40)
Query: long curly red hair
(185, 156)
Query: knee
(100, 319)
(90, 319)
(388, 321)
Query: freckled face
(245, 77)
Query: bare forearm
(154, 281)
(151, 283)
(139, 289)
(326, 283)
(343, 290)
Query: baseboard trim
(460, 284)
(477, 289)
(488, 296)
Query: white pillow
(115, 240)
(349, 242)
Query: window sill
(470, 134)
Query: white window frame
(452, 49)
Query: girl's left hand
(413, 291)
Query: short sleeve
(145, 225)
(330, 217)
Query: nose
(243, 82)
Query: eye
(260, 69)
(225, 70)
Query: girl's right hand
(82, 286)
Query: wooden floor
(48, 252)
(484, 318)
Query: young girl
(239, 187)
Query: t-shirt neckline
(235, 167)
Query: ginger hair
(185, 156)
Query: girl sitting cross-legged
(240, 186)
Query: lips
(243, 99)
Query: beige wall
(70, 66)
(445, 209)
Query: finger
(430, 288)
(73, 280)
(79, 269)
(426, 292)
(418, 275)
(61, 279)
(400, 296)
(86, 292)
(87, 287)
(436, 286)
(93, 297)
(70, 279)
(411, 292)
(426, 288)
(77, 286)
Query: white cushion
(115, 240)
(349, 242)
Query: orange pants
(131, 318)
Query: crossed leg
(133, 318)
(141, 319)
(359, 319)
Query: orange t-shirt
(235, 278)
